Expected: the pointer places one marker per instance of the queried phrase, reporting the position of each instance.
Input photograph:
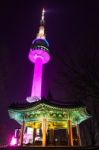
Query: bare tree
(82, 75)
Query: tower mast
(41, 33)
(39, 55)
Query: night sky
(72, 30)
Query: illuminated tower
(39, 55)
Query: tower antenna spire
(41, 33)
(42, 17)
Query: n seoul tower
(39, 55)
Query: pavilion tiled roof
(48, 102)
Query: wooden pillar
(34, 133)
(21, 133)
(51, 132)
(44, 123)
(78, 134)
(70, 133)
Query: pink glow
(39, 57)
(37, 78)
(33, 54)
(13, 141)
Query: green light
(52, 113)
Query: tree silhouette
(81, 73)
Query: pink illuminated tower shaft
(37, 78)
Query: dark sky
(72, 30)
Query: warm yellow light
(41, 33)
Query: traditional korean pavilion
(51, 122)
(50, 117)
